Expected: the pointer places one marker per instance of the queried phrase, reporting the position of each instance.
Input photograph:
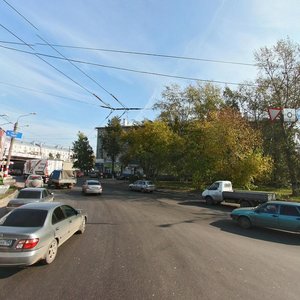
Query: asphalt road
(160, 246)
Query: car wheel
(244, 222)
(209, 200)
(82, 227)
(52, 252)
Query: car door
(214, 191)
(46, 196)
(60, 224)
(72, 218)
(138, 185)
(289, 217)
(267, 215)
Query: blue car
(273, 214)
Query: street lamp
(12, 141)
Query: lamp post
(12, 142)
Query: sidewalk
(4, 201)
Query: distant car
(34, 232)
(273, 214)
(142, 186)
(28, 195)
(79, 173)
(34, 181)
(92, 187)
(93, 174)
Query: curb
(4, 201)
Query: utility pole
(12, 143)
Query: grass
(175, 185)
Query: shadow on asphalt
(177, 223)
(201, 203)
(6, 272)
(265, 234)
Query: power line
(130, 70)
(49, 94)
(67, 98)
(78, 69)
(19, 14)
(65, 57)
(38, 56)
(142, 54)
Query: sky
(62, 95)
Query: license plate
(5, 243)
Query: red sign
(274, 113)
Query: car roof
(41, 205)
(33, 189)
(284, 202)
(92, 180)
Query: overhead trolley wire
(142, 54)
(38, 56)
(130, 70)
(113, 96)
(20, 14)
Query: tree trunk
(291, 164)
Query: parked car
(34, 232)
(142, 186)
(92, 187)
(34, 181)
(273, 214)
(28, 195)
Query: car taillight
(27, 244)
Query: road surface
(160, 246)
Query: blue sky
(229, 30)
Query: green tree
(226, 146)
(151, 145)
(178, 107)
(83, 154)
(279, 79)
(111, 140)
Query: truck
(222, 190)
(62, 178)
(45, 167)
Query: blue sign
(13, 134)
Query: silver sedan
(28, 195)
(142, 186)
(92, 187)
(34, 232)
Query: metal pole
(10, 150)
(12, 142)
